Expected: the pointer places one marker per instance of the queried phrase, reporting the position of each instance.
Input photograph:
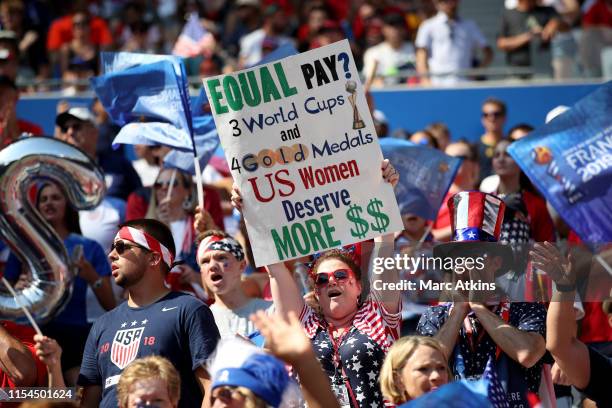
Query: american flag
(495, 391)
(194, 39)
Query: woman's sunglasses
(122, 246)
(166, 184)
(340, 275)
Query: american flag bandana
(217, 243)
(147, 241)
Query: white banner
(301, 144)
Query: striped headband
(217, 243)
(146, 241)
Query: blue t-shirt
(178, 327)
(75, 312)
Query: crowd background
(54, 47)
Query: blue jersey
(178, 327)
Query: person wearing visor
(153, 321)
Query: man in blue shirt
(154, 321)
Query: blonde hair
(145, 368)
(398, 355)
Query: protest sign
(301, 145)
(570, 161)
(428, 174)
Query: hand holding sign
(316, 193)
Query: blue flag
(146, 93)
(569, 160)
(460, 394)
(206, 138)
(426, 174)
(119, 61)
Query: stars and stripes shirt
(361, 351)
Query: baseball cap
(79, 113)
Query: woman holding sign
(353, 331)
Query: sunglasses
(166, 184)
(122, 246)
(494, 114)
(80, 23)
(76, 126)
(340, 275)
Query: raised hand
(236, 197)
(546, 257)
(390, 175)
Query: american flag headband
(217, 243)
(146, 241)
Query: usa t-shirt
(178, 327)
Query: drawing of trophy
(351, 87)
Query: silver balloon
(25, 231)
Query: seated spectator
(222, 264)
(413, 366)
(524, 24)
(61, 30)
(447, 44)
(79, 57)
(394, 54)
(10, 126)
(581, 366)
(33, 61)
(149, 381)
(255, 45)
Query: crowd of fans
(151, 259)
(358, 355)
(412, 41)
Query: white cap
(78, 112)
